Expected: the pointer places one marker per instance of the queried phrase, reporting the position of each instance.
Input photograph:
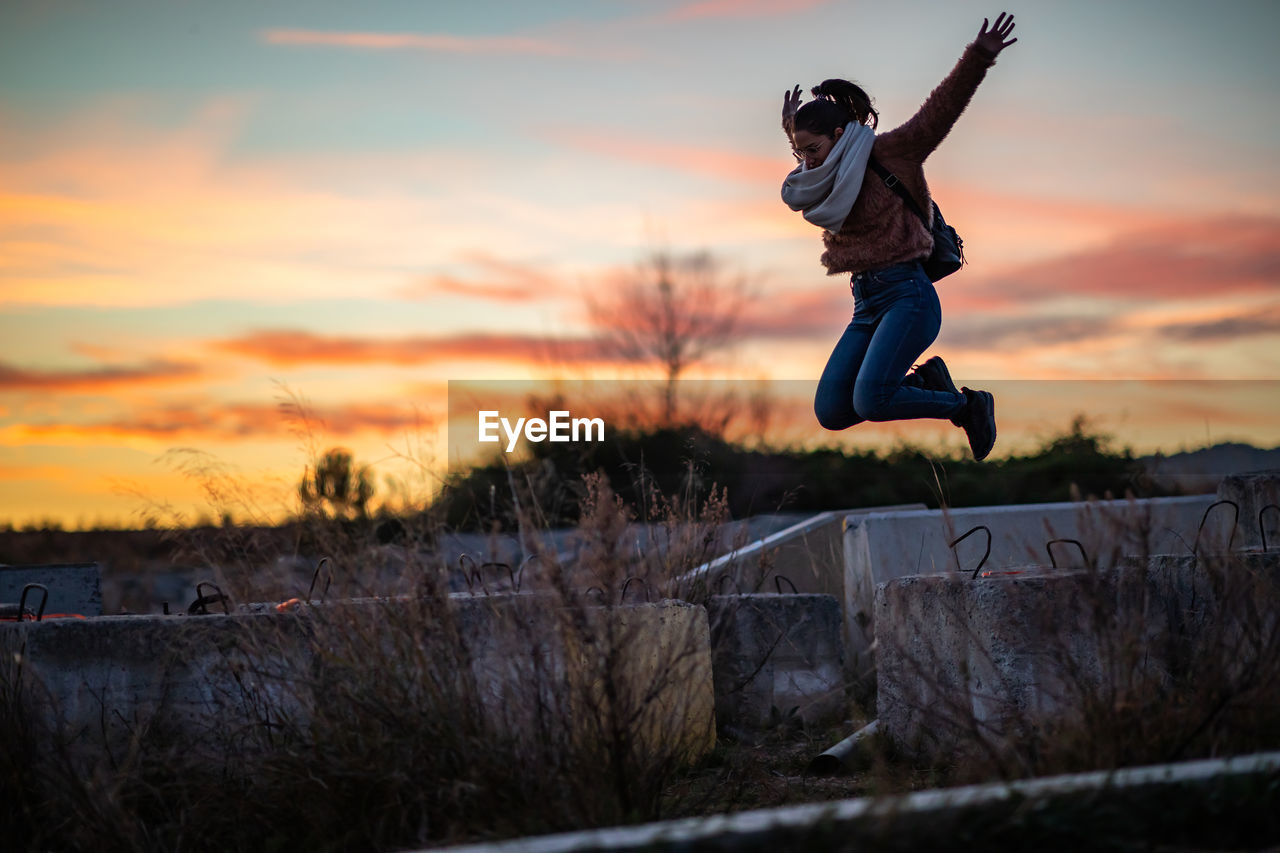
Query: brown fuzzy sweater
(880, 230)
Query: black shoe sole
(981, 452)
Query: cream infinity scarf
(826, 194)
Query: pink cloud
(498, 280)
(714, 162)
(433, 42)
(1204, 259)
(740, 9)
(820, 311)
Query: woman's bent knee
(871, 404)
(836, 419)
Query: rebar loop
(518, 580)
(777, 584)
(22, 602)
(954, 542)
(476, 573)
(719, 585)
(328, 579)
(201, 605)
(493, 564)
(1195, 548)
(1048, 546)
(1262, 529)
(622, 596)
(471, 576)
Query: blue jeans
(896, 316)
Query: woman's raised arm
(922, 133)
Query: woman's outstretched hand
(790, 103)
(994, 41)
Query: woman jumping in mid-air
(871, 233)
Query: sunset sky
(212, 212)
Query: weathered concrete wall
(808, 554)
(775, 654)
(883, 546)
(960, 658)
(209, 678)
(805, 557)
(73, 587)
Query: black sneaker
(934, 376)
(979, 422)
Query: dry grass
(400, 722)
(404, 720)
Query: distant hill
(1200, 470)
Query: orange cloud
(968, 202)
(286, 347)
(95, 379)
(434, 42)
(234, 422)
(104, 209)
(500, 281)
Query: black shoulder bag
(948, 249)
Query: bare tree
(336, 481)
(672, 310)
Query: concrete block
(884, 546)
(99, 681)
(73, 587)
(959, 658)
(1253, 493)
(665, 658)
(204, 679)
(775, 653)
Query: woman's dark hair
(837, 103)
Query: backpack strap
(891, 181)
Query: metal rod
(315, 576)
(1048, 546)
(1195, 548)
(1262, 528)
(520, 572)
(468, 576)
(727, 577)
(201, 604)
(491, 564)
(954, 542)
(22, 602)
(623, 595)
